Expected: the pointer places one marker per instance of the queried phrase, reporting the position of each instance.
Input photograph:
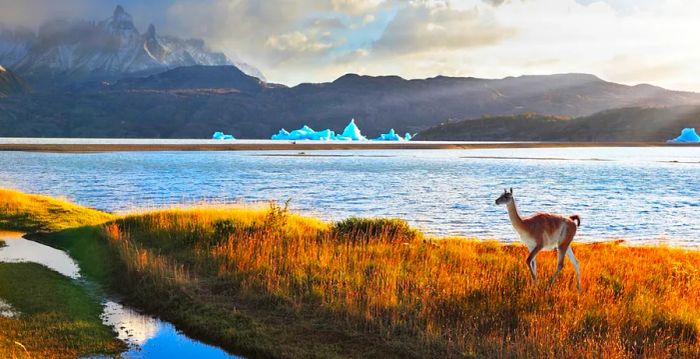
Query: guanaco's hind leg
(561, 252)
(574, 262)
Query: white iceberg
(687, 135)
(221, 136)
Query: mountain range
(106, 79)
(79, 50)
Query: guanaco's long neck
(514, 215)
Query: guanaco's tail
(576, 218)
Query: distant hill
(194, 101)
(196, 77)
(625, 124)
(11, 84)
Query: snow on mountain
(14, 45)
(110, 47)
(11, 84)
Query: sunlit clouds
(319, 40)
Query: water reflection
(21, 250)
(148, 337)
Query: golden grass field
(268, 283)
(431, 297)
(26, 212)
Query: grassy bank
(57, 319)
(268, 283)
(30, 213)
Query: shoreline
(113, 145)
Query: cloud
(631, 41)
(31, 13)
(356, 7)
(495, 2)
(295, 44)
(423, 27)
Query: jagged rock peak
(121, 20)
(151, 32)
(118, 11)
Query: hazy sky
(629, 41)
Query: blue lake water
(645, 195)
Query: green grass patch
(58, 319)
(86, 245)
(33, 213)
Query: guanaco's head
(506, 197)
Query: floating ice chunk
(221, 136)
(407, 137)
(325, 135)
(303, 133)
(687, 135)
(390, 136)
(353, 132)
(282, 135)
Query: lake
(642, 194)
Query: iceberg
(304, 133)
(221, 136)
(301, 134)
(393, 136)
(282, 135)
(351, 133)
(390, 136)
(687, 135)
(325, 135)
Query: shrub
(375, 230)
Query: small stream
(146, 336)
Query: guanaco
(544, 231)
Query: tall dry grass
(27, 212)
(447, 297)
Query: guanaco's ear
(505, 191)
(511, 190)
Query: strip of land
(109, 145)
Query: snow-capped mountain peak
(110, 48)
